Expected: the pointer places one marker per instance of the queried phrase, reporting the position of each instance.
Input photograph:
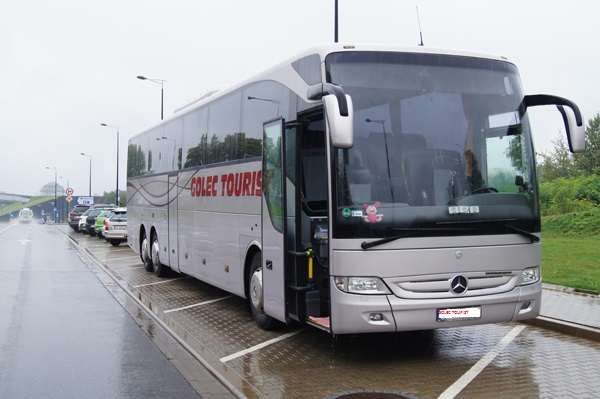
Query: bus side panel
(219, 210)
(147, 199)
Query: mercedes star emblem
(459, 284)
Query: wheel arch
(252, 250)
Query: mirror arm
(316, 92)
(546, 99)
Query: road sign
(69, 191)
(69, 198)
(89, 201)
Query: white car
(82, 220)
(115, 227)
(25, 215)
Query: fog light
(525, 305)
(375, 317)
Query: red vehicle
(75, 214)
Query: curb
(566, 327)
(570, 290)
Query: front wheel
(255, 296)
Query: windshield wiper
(408, 232)
(532, 237)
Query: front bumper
(350, 312)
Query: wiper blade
(408, 232)
(532, 237)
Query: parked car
(25, 215)
(90, 220)
(82, 220)
(99, 225)
(115, 227)
(75, 215)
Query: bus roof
(295, 81)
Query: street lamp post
(117, 188)
(335, 27)
(385, 143)
(55, 200)
(162, 91)
(90, 158)
(173, 152)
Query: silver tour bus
(353, 188)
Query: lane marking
(478, 367)
(197, 304)
(254, 348)
(157, 282)
(123, 258)
(7, 227)
(118, 268)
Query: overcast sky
(68, 65)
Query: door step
(322, 323)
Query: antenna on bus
(419, 23)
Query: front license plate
(459, 313)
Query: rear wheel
(255, 296)
(115, 243)
(145, 254)
(157, 267)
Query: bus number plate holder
(451, 314)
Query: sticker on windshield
(371, 215)
(463, 210)
(346, 212)
(357, 213)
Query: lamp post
(55, 182)
(387, 155)
(162, 91)
(174, 147)
(117, 188)
(90, 158)
(335, 27)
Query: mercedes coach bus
(353, 188)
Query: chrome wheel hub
(256, 291)
(145, 251)
(155, 255)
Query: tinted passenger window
(195, 138)
(262, 102)
(224, 129)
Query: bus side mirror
(573, 121)
(340, 125)
(338, 111)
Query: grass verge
(571, 261)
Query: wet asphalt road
(62, 335)
(80, 318)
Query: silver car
(115, 227)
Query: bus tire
(145, 253)
(157, 267)
(255, 295)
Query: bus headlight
(529, 276)
(362, 285)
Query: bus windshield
(440, 141)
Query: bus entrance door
(173, 221)
(273, 216)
